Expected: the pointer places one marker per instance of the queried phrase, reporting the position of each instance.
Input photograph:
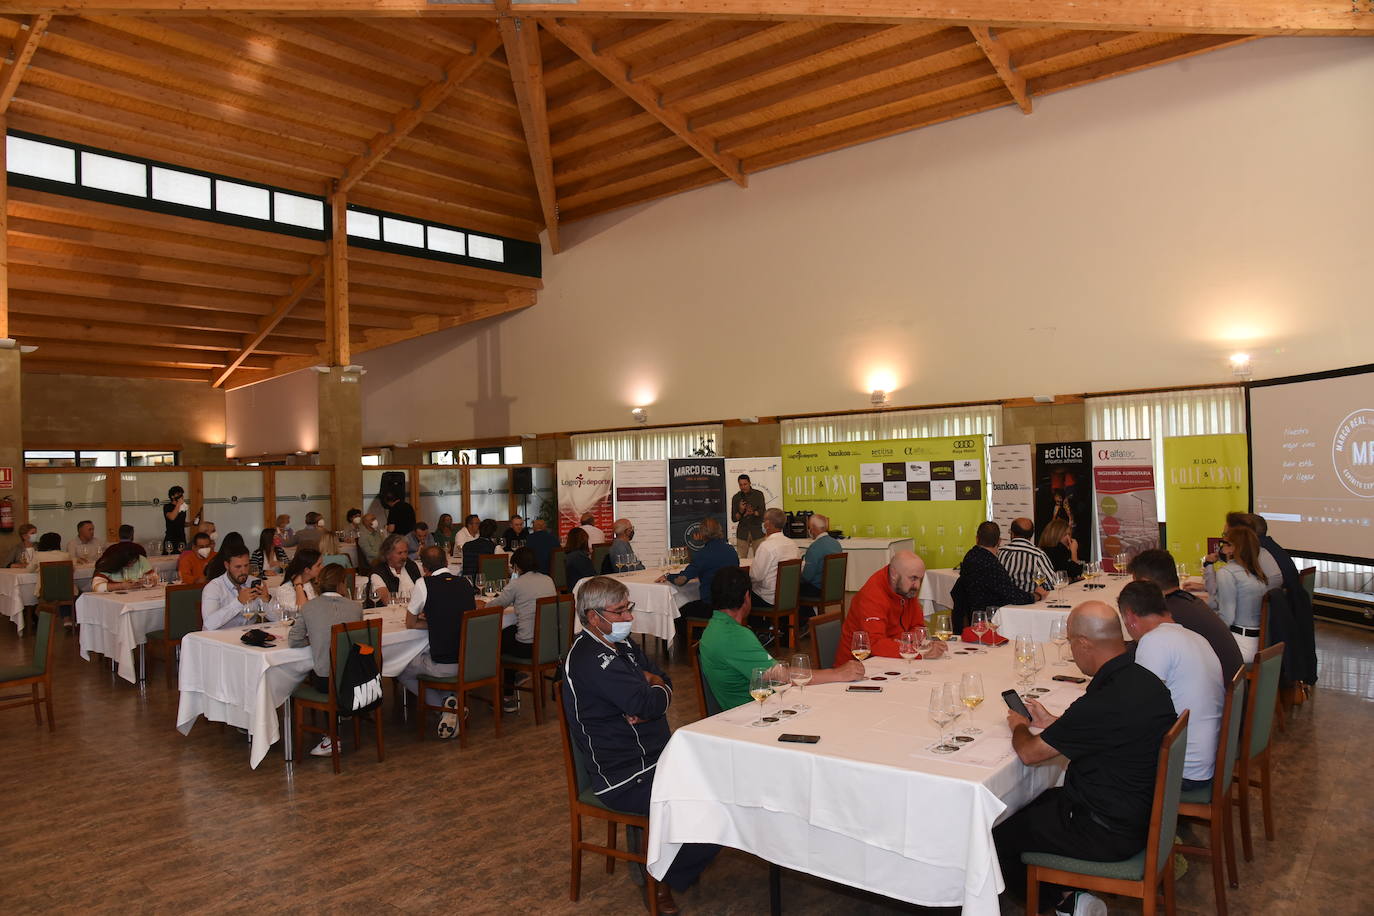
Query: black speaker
(522, 481)
(393, 485)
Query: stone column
(341, 438)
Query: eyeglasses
(628, 609)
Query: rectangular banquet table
(18, 587)
(116, 624)
(868, 806)
(656, 603)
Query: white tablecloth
(227, 681)
(860, 808)
(17, 587)
(656, 603)
(115, 624)
(866, 556)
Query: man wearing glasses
(616, 700)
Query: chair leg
(1149, 900)
(1032, 889)
(463, 727)
(37, 708)
(421, 712)
(610, 844)
(357, 732)
(1266, 798)
(297, 715)
(47, 701)
(576, 888)
(537, 692)
(377, 727)
(1218, 865)
(1243, 787)
(333, 718)
(496, 694)
(1228, 837)
(651, 890)
(1169, 886)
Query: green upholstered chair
(479, 665)
(786, 602)
(558, 570)
(305, 698)
(37, 673)
(180, 615)
(599, 553)
(1143, 874)
(825, 638)
(709, 704)
(547, 652)
(57, 588)
(582, 802)
(338, 559)
(492, 566)
(834, 568)
(1212, 805)
(1308, 578)
(1255, 739)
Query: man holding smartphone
(1111, 736)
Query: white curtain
(1345, 577)
(647, 444)
(897, 424)
(1159, 415)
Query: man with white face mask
(191, 564)
(616, 700)
(370, 541)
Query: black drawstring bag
(360, 688)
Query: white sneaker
(1082, 903)
(323, 749)
(448, 719)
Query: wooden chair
(599, 553)
(38, 673)
(582, 802)
(825, 638)
(786, 607)
(1148, 871)
(567, 632)
(493, 566)
(833, 571)
(338, 559)
(56, 588)
(1213, 805)
(1255, 738)
(709, 704)
(180, 615)
(547, 651)
(558, 570)
(479, 665)
(306, 697)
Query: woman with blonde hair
(1236, 587)
(1058, 543)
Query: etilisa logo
(1352, 452)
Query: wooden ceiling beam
(269, 322)
(697, 51)
(494, 278)
(25, 44)
(347, 49)
(581, 44)
(456, 73)
(520, 38)
(57, 348)
(997, 54)
(37, 364)
(160, 270)
(1131, 61)
(115, 333)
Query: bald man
(1111, 736)
(887, 606)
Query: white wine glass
(921, 635)
(940, 715)
(1023, 661)
(971, 695)
(799, 671)
(906, 648)
(1059, 635)
(780, 679)
(760, 688)
(859, 646)
(1037, 658)
(955, 705)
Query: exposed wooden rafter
(521, 40)
(647, 98)
(268, 323)
(1000, 58)
(30, 34)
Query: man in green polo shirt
(730, 651)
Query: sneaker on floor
(510, 704)
(323, 749)
(448, 719)
(1081, 903)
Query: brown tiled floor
(116, 811)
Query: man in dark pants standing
(1111, 736)
(746, 510)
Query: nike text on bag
(360, 688)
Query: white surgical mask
(203, 551)
(375, 523)
(620, 629)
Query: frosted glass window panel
(233, 501)
(372, 485)
(542, 503)
(176, 187)
(488, 249)
(441, 490)
(364, 225)
(447, 241)
(491, 493)
(41, 160)
(297, 211)
(403, 232)
(299, 492)
(58, 502)
(109, 173)
(242, 199)
(142, 495)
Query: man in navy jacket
(616, 700)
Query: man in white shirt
(594, 534)
(222, 602)
(395, 573)
(772, 550)
(1028, 565)
(1186, 664)
(466, 533)
(85, 550)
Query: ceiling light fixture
(1240, 365)
(640, 414)
(878, 398)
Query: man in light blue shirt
(813, 561)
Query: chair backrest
(1309, 582)
(1270, 599)
(599, 553)
(1168, 786)
(833, 573)
(574, 766)
(493, 566)
(1232, 716)
(825, 637)
(567, 620)
(787, 597)
(181, 611)
(359, 632)
(546, 629)
(43, 641)
(350, 583)
(709, 704)
(558, 569)
(55, 582)
(1261, 699)
(338, 559)
(481, 642)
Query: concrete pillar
(12, 441)
(341, 438)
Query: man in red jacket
(887, 606)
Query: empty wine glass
(799, 670)
(939, 710)
(949, 694)
(921, 636)
(1038, 657)
(981, 624)
(859, 645)
(1061, 581)
(971, 695)
(906, 648)
(760, 688)
(780, 679)
(1059, 635)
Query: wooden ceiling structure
(507, 117)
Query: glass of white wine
(906, 648)
(944, 627)
(760, 688)
(971, 694)
(941, 716)
(1023, 661)
(800, 673)
(859, 645)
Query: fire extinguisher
(6, 515)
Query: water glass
(799, 671)
(939, 711)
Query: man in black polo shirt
(1188, 610)
(438, 603)
(1111, 736)
(983, 580)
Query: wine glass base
(970, 730)
(943, 749)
